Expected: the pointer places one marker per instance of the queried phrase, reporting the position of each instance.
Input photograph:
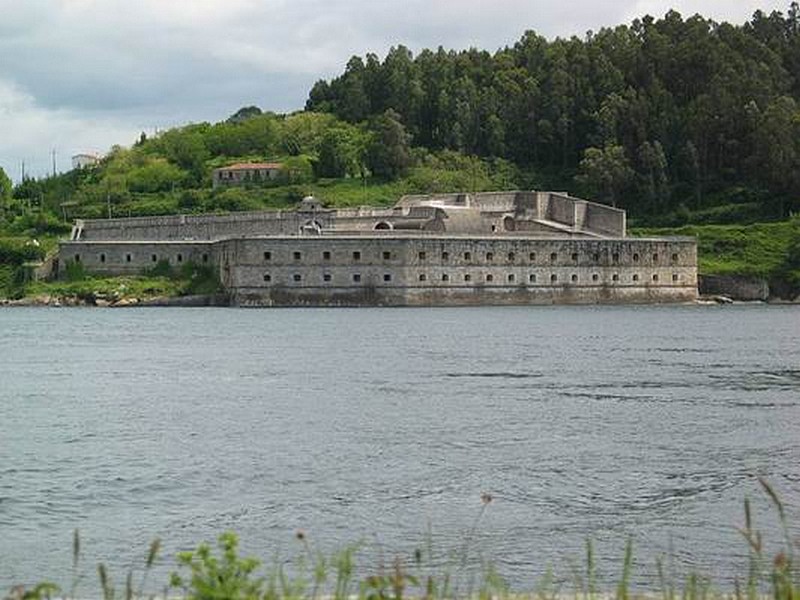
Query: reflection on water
(386, 425)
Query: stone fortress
(443, 249)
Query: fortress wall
(199, 227)
(605, 219)
(131, 258)
(560, 208)
(396, 271)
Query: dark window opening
(387, 277)
(655, 258)
(77, 258)
(423, 277)
(655, 276)
(127, 258)
(674, 258)
(467, 255)
(467, 277)
(532, 278)
(511, 257)
(387, 255)
(205, 258)
(180, 257)
(553, 278)
(356, 255)
(326, 255)
(636, 278)
(675, 277)
(574, 278)
(422, 256)
(532, 256)
(445, 277)
(595, 277)
(635, 257)
(267, 255)
(445, 255)
(267, 277)
(154, 258)
(297, 277)
(102, 258)
(574, 257)
(357, 277)
(326, 277)
(298, 256)
(615, 277)
(511, 278)
(489, 277)
(553, 257)
(489, 256)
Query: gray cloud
(83, 74)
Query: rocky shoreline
(115, 301)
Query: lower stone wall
(419, 271)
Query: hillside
(683, 122)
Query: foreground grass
(222, 574)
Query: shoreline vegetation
(221, 573)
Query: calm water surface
(386, 425)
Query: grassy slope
(759, 250)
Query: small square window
(574, 278)
(387, 255)
(489, 256)
(553, 278)
(655, 258)
(267, 277)
(387, 277)
(674, 258)
(553, 257)
(154, 258)
(675, 277)
(635, 257)
(298, 256)
(357, 277)
(595, 277)
(532, 278)
(356, 255)
(467, 255)
(267, 255)
(180, 257)
(489, 277)
(655, 277)
(636, 278)
(128, 258)
(423, 277)
(615, 277)
(512, 257)
(297, 277)
(445, 277)
(467, 277)
(422, 255)
(532, 256)
(326, 277)
(326, 255)
(511, 278)
(574, 257)
(445, 255)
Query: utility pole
(53, 152)
(23, 170)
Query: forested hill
(661, 116)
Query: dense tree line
(660, 116)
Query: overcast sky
(81, 75)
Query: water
(386, 425)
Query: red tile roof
(251, 166)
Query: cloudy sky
(81, 75)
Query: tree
(389, 152)
(5, 188)
(605, 173)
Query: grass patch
(760, 250)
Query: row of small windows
(489, 256)
(129, 258)
(489, 277)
